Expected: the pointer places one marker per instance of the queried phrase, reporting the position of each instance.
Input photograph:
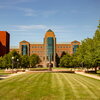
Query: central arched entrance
(49, 64)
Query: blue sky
(30, 19)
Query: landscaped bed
(38, 69)
(64, 71)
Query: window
(75, 48)
(66, 46)
(24, 49)
(50, 48)
(75, 41)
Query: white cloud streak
(27, 11)
(30, 27)
(49, 13)
(30, 12)
(35, 28)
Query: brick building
(48, 49)
(4, 42)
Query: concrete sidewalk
(89, 75)
(4, 77)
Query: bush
(38, 69)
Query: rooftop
(49, 30)
(49, 33)
(36, 42)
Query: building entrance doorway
(49, 65)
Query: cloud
(49, 13)
(78, 11)
(35, 28)
(27, 11)
(23, 27)
(32, 12)
(30, 27)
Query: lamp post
(12, 63)
(17, 63)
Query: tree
(80, 53)
(74, 60)
(16, 56)
(7, 59)
(7, 62)
(96, 40)
(89, 51)
(86, 53)
(1, 65)
(65, 61)
(63, 53)
(34, 60)
(25, 61)
(57, 60)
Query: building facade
(48, 49)
(4, 42)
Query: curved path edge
(12, 75)
(89, 75)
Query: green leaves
(65, 61)
(25, 61)
(88, 54)
(34, 60)
(89, 51)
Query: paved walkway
(81, 73)
(4, 77)
(89, 75)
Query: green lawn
(50, 86)
(5, 73)
(1, 70)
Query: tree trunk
(95, 69)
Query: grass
(5, 73)
(50, 86)
(1, 70)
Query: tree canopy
(87, 55)
(34, 60)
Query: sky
(30, 19)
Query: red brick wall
(63, 48)
(37, 49)
(4, 42)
